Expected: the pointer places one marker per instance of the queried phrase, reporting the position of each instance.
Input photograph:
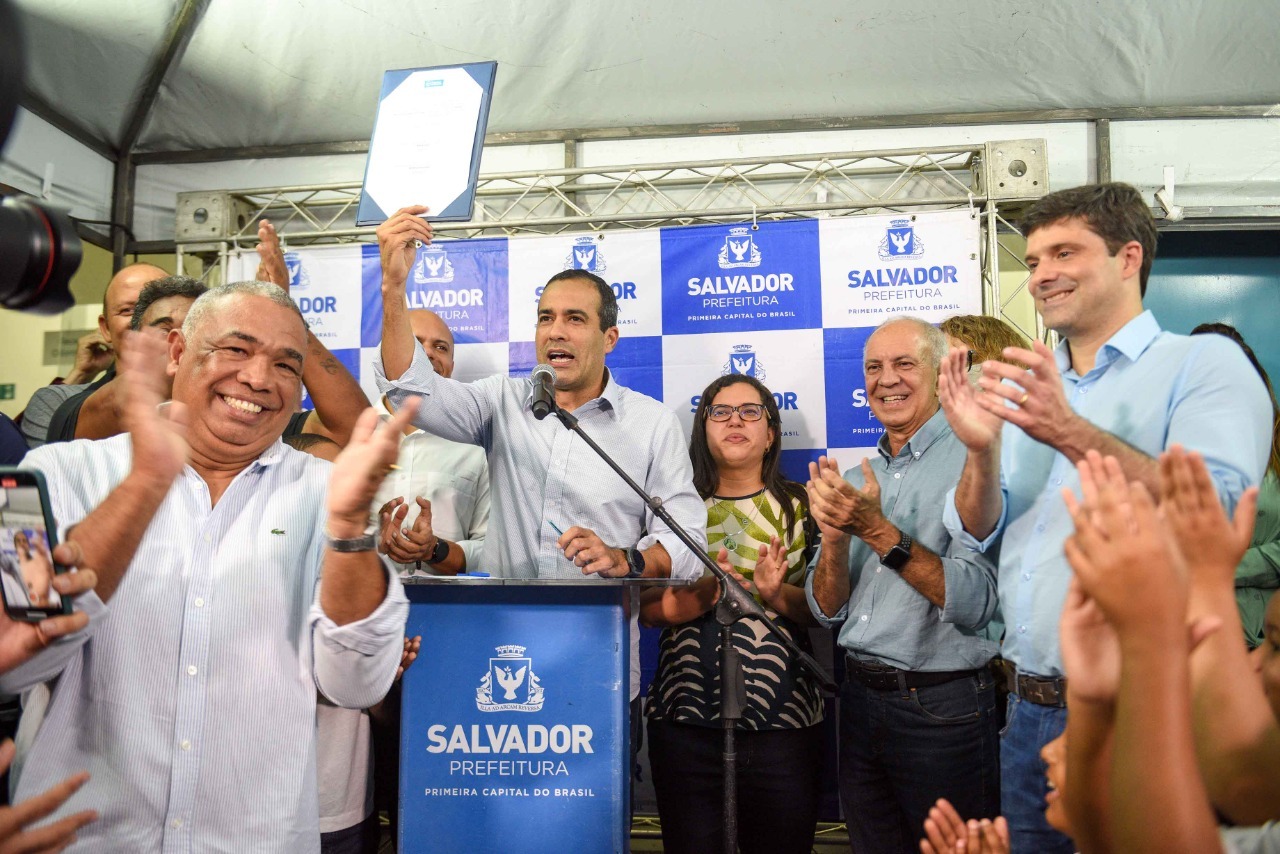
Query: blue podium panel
(514, 730)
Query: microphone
(544, 391)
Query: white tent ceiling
(286, 72)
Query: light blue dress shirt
(1151, 389)
(191, 698)
(543, 475)
(886, 619)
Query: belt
(883, 678)
(1040, 690)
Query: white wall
(1216, 161)
(81, 178)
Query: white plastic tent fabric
(258, 73)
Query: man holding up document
(557, 510)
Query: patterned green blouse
(780, 695)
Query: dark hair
(1115, 212)
(305, 441)
(169, 286)
(1228, 331)
(608, 301)
(706, 477)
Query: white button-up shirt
(454, 477)
(191, 699)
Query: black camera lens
(39, 251)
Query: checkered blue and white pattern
(791, 303)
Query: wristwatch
(366, 542)
(635, 563)
(440, 552)
(896, 558)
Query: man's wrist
(438, 552)
(986, 457)
(151, 480)
(1073, 437)
(343, 526)
(1152, 638)
(882, 537)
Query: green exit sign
(6, 391)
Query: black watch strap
(635, 563)
(440, 552)
(896, 558)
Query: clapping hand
(364, 462)
(947, 833)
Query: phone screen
(26, 546)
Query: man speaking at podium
(557, 510)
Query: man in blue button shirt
(918, 711)
(1117, 384)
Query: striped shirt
(191, 698)
(780, 693)
(544, 477)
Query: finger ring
(1022, 400)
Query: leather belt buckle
(1042, 690)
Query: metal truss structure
(595, 199)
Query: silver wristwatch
(366, 542)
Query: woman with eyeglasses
(758, 529)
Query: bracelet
(366, 542)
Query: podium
(514, 727)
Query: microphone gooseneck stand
(734, 604)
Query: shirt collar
(612, 394)
(609, 399)
(1130, 341)
(932, 430)
(272, 455)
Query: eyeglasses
(746, 411)
(968, 359)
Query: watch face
(896, 558)
(635, 563)
(440, 552)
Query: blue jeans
(902, 750)
(1023, 787)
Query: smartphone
(27, 538)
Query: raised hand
(396, 245)
(771, 570)
(976, 427)
(406, 545)
(158, 433)
(271, 266)
(364, 462)
(1090, 649)
(947, 833)
(93, 355)
(1211, 543)
(836, 504)
(1039, 399)
(722, 558)
(1124, 555)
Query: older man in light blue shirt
(1117, 384)
(191, 696)
(918, 715)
